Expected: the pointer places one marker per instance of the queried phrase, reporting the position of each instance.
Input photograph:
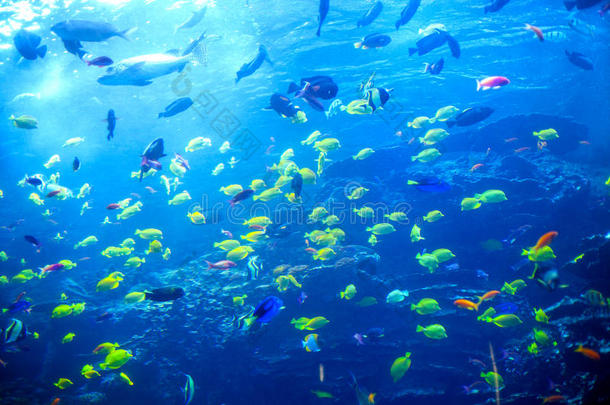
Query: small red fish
(221, 265)
(152, 190)
(53, 193)
(545, 240)
(489, 295)
(398, 133)
(487, 151)
(257, 227)
(51, 221)
(136, 195)
(113, 206)
(269, 149)
(3, 363)
(466, 304)
(51, 267)
(604, 9)
(536, 31)
(21, 294)
(513, 139)
(553, 398)
(82, 259)
(477, 166)
(311, 250)
(590, 353)
(272, 139)
(226, 233)
(55, 401)
(411, 140)
(492, 82)
(541, 145)
(523, 149)
(584, 142)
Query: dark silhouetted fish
(193, 20)
(27, 43)
(87, 31)
(249, 68)
(241, 196)
(323, 11)
(373, 41)
(111, 119)
(370, 15)
(75, 164)
(580, 4)
(434, 68)
(320, 87)
(100, 61)
(407, 13)
(470, 116)
(430, 185)
(165, 294)
(176, 107)
(580, 60)
(32, 240)
(496, 5)
(74, 47)
(297, 184)
(429, 43)
(151, 155)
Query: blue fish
(323, 10)
(111, 119)
(19, 306)
(434, 68)
(249, 68)
(176, 107)
(496, 5)
(370, 15)
(407, 13)
(506, 308)
(373, 41)
(267, 309)
(27, 43)
(430, 185)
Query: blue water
(562, 188)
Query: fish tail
(412, 51)
(419, 328)
(478, 85)
(357, 45)
(124, 34)
(41, 51)
(413, 307)
(426, 67)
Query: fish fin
(357, 45)
(478, 85)
(142, 83)
(41, 51)
(426, 67)
(124, 34)
(412, 51)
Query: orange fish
(477, 166)
(55, 401)
(590, 353)
(536, 31)
(507, 140)
(523, 149)
(545, 240)
(371, 398)
(257, 227)
(553, 399)
(466, 304)
(489, 295)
